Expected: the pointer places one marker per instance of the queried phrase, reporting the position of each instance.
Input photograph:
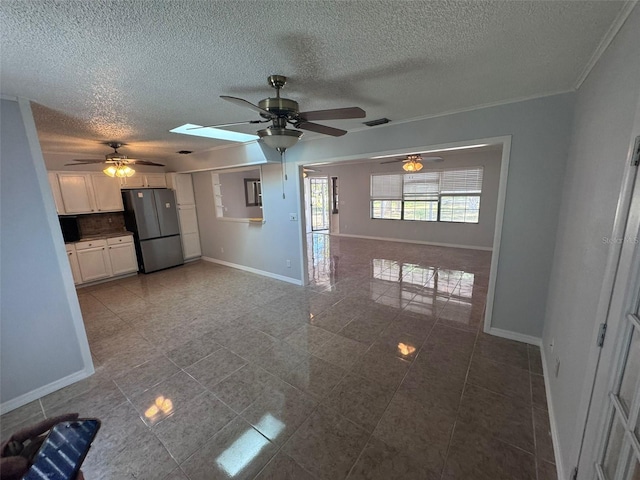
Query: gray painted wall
(233, 194)
(604, 116)
(262, 246)
(540, 131)
(354, 204)
(42, 337)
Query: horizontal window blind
(386, 187)
(421, 186)
(468, 180)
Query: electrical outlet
(552, 344)
(557, 371)
(293, 217)
(288, 263)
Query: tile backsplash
(99, 223)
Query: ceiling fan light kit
(279, 138)
(118, 164)
(412, 163)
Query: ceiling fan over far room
(282, 111)
(413, 162)
(119, 165)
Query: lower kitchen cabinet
(122, 255)
(93, 259)
(104, 258)
(73, 261)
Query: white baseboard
(552, 419)
(418, 242)
(264, 273)
(518, 337)
(45, 390)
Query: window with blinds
(451, 195)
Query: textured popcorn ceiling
(131, 70)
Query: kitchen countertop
(102, 236)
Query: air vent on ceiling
(379, 121)
(185, 152)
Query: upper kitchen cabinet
(144, 180)
(183, 185)
(85, 193)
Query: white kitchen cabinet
(144, 180)
(183, 186)
(55, 190)
(85, 192)
(122, 255)
(187, 216)
(73, 261)
(76, 192)
(107, 193)
(93, 259)
(156, 180)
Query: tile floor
(376, 370)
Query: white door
(191, 245)
(75, 189)
(188, 219)
(107, 193)
(611, 445)
(94, 264)
(123, 258)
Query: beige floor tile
(361, 400)
(326, 445)
(216, 367)
(341, 352)
(309, 338)
(279, 411)
(500, 378)
(538, 391)
(243, 386)
(238, 451)
(503, 350)
(283, 467)
(314, 376)
(145, 376)
(189, 428)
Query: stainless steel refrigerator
(151, 215)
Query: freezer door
(159, 253)
(143, 205)
(167, 215)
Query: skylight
(209, 132)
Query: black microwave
(70, 228)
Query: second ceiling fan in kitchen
(119, 165)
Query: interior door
(319, 203)
(611, 447)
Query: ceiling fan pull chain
(284, 175)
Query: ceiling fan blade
(333, 114)
(432, 159)
(145, 162)
(316, 127)
(244, 103)
(229, 124)
(85, 160)
(393, 161)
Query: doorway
(319, 203)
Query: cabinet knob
(70, 253)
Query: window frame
(437, 198)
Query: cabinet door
(55, 190)
(184, 189)
(94, 263)
(191, 245)
(107, 192)
(188, 219)
(136, 181)
(156, 180)
(76, 192)
(123, 258)
(75, 266)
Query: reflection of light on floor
(270, 426)
(161, 404)
(242, 452)
(406, 349)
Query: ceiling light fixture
(119, 170)
(279, 138)
(412, 163)
(435, 150)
